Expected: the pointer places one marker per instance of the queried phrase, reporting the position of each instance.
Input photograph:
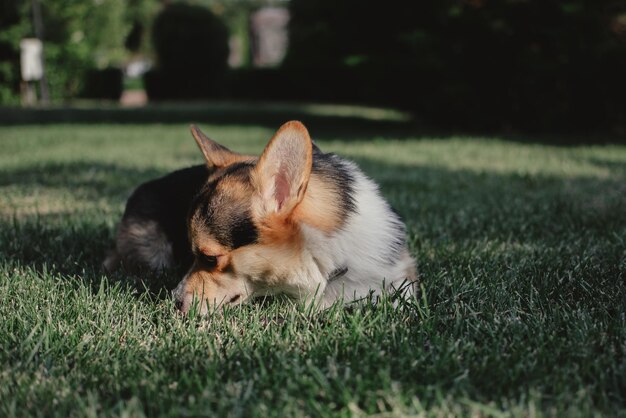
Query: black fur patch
(243, 232)
(227, 219)
(334, 170)
(239, 170)
(166, 201)
(337, 273)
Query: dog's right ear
(283, 171)
(216, 155)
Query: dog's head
(241, 225)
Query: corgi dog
(294, 221)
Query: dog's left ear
(216, 155)
(283, 171)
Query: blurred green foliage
(79, 36)
(12, 28)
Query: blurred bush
(191, 45)
(283, 83)
(11, 27)
(528, 64)
(103, 84)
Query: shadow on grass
(74, 247)
(330, 121)
(618, 167)
(84, 179)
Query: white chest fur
(369, 247)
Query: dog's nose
(182, 302)
(179, 304)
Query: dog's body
(295, 221)
(152, 235)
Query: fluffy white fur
(360, 246)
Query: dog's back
(152, 234)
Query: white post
(32, 70)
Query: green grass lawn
(521, 249)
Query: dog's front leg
(308, 286)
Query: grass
(521, 250)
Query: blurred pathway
(134, 98)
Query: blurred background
(475, 65)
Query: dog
(295, 221)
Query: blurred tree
(79, 36)
(13, 27)
(134, 39)
(236, 15)
(191, 46)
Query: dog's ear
(283, 171)
(216, 155)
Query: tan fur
(319, 208)
(212, 290)
(216, 155)
(199, 236)
(235, 188)
(278, 229)
(293, 130)
(283, 154)
(203, 242)
(260, 263)
(279, 240)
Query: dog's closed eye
(209, 261)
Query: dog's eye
(209, 261)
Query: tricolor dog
(295, 221)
